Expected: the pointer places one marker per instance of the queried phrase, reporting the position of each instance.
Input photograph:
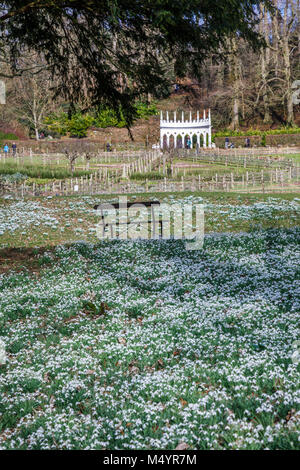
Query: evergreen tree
(114, 51)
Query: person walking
(14, 149)
(226, 142)
(247, 142)
(6, 149)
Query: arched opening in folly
(194, 140)
(164, 142)
(187, 141)
(171, 142)
(179, 142)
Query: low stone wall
(238, 141)
(81, 145)
(58, 146)
(282, 140)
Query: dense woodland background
(245, 88)
(250, 88)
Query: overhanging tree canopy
(113, 51)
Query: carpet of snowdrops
(145, 345)
(38, 222)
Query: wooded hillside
(245, 83)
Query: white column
(209, 137)
(175, 141)
(190, 116)
(198, 140)
(182, 116)
(161, 116)
(174, 116)
(197, 116)
(204, 114)
(167, 116)
(204, 139)
(161, 140)
(168, 141)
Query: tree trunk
(235, 79)
(275, 39)
(265, 64)
(220, 75)
(287, 67)
(34, 113)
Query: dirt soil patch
(17, 259)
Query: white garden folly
(174, 132)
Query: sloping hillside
(189, 97)
(146, 129)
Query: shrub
(8, 136)
(282, 130)
(107, 117)
(77, 126)
(57, 123)
(144, 110)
